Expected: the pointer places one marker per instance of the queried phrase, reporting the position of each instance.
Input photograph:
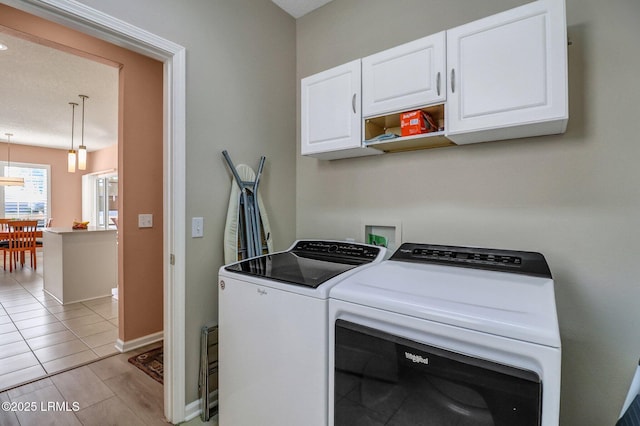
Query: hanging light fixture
(82, 150)
(71, 157)
(7, 180)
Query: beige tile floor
(110, 391)
(40, 336)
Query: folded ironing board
(247, 232)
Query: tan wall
(103, 160)
(66, 188)
(139, 167)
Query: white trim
(83, 18)
(175, 238)
(90, 21)
(193, 410)
(130, 345)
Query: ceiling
(37, 84)
(298, 8)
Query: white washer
(444, 335)
(273, 332)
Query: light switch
(197, 227)
(145, 221)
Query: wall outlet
(145, 221)
(197, 227)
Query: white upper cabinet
(331, 125)
(404, 77)
(508, 75)
(500, 77)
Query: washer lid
(309, 263)
(505, 304)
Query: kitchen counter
(63, 230)
(79, 264)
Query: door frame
(93, 22)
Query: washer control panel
(338, 249)
(522, 262)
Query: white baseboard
(139, 342)
(192, 410)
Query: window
(30, 201)
(100, 199)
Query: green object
(377, 240)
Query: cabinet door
(331, 110)
(508, 74)
(404, 77)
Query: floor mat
(151, 363)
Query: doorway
(81, 18)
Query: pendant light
(82, 150)
(71, 157)
(7, 180)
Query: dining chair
(4, 231)
(21, 239)
(4, 224)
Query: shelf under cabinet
(390, 123)
(411, 143)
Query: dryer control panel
(520, 262)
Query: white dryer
(442, 335)
(273, 332)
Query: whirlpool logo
(416, 358)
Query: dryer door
(386, 379)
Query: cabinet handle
(353, 103)
(453, 80)
(438, 83)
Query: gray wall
(573, 197)
(240, 97)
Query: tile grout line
(60, 392)
(68, 328)
(47, 374)
(75, 334)
(20, 332)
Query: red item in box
(413, 123)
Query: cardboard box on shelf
(415, 122)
